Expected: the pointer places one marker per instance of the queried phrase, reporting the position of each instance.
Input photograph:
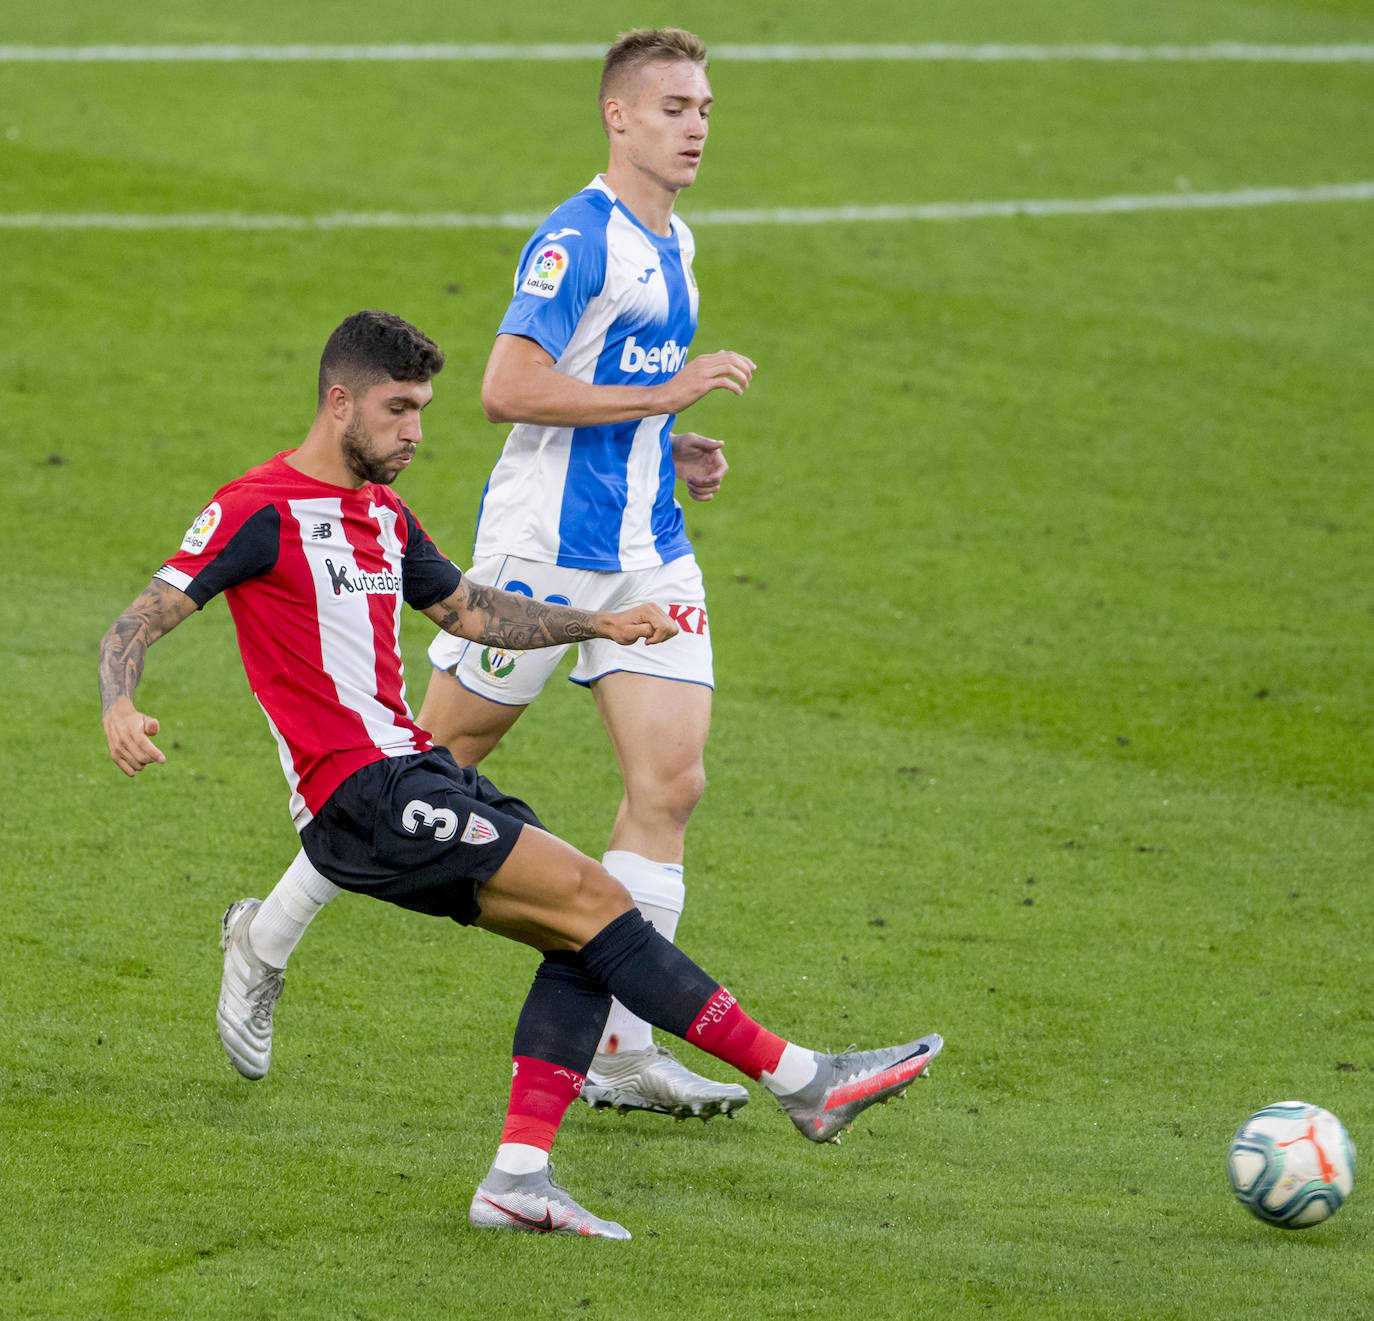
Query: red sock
(724, 1030)
(540, 1094)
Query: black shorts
(419, 831)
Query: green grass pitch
(1042, 591)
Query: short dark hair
(376, 346)
(633, 50)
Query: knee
(672, 795)
(689, 787)
(597, 893)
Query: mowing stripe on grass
(1123, 204)
(1212, 52)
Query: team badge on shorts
(479, 830)
(498, 664)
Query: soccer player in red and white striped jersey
(316, 556)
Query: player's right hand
(648, 621)
(723, 370)
(128, 732)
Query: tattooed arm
(158, 609)
(507, 619)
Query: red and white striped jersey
(315, 575)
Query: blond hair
(643, 46)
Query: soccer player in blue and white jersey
(591, 365)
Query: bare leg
(658, 730)
(469, 726)
(548, 895)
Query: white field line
(1124, 204)
(1219, 51)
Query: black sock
(563, 1015)
(650, 976)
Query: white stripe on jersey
(301, 815)
(348, 642)
(588, 342)
(528, 481)
(395, 554)
(642, 490)
(174, 577)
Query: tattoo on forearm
(126, 642)
(507, 619)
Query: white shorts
(515, 678)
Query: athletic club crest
(479, 830)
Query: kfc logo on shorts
(199, 533)
(479, 830)
(689, 618)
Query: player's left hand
(698, 461)
(646, 621)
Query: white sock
(795, 1069)
(657, 888)
(519, 1158)
(287, 911)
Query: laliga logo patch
(498, 664)
(546, 272)
(549, 264)
(199, 533)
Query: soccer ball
(1291, 1164)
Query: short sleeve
(232, 539)
(561, 270)
(428, 575)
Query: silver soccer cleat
(654, 1079)
(248, 992)
(846, 1085)
(534, 1204)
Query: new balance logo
(667, 358)
(321, 531)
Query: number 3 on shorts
(417, 813)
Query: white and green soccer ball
(1291, 1164)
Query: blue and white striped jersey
(613, 304)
